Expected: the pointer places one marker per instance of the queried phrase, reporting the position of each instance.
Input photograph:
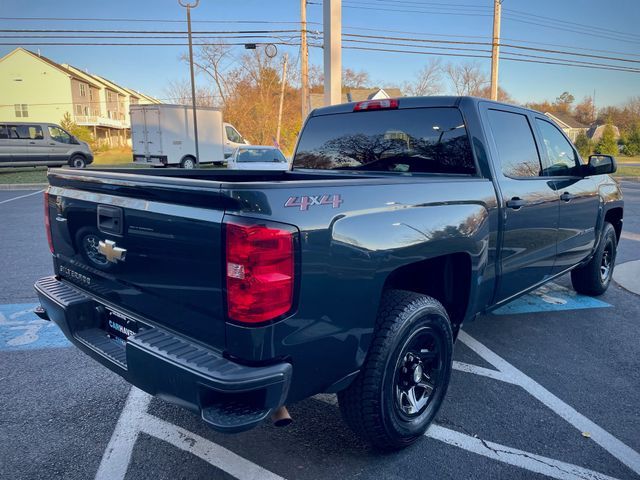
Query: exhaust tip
(281, 417)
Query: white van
(162, 135)
(27, 144)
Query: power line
(557, 20)
(465, 6)
(395, 10)
(549, 62)
(150, 20)
(168, 32)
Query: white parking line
(135, 419)
(518, 458)
(21, 196)
(208, 451)
(117, 456)
(611, 444)
(631, 236)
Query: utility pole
(332, 23)
(304, 60)
(283, 82)
(495, 49)
(189, 6)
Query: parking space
(544, 387)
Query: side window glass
(4, 132)
(59, 135)
(561, 157)
(516, 147)
(35, 133)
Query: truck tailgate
(161, 254)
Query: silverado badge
(111, 252)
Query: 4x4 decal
(306, 201)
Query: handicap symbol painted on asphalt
(549, 298)
(21, 329)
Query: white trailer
(162, 135)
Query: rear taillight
(259, 272)
(47, 222)
(382, 104)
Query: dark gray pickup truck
(236, 293)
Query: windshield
(260, 155)
(419, 140)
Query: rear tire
(594, 277)
(188, 163)
(78, 161)
(405, 376)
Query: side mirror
(601, 164)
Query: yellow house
(34, 88)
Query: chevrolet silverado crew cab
(235, 293)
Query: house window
(109, 96)
(86, 111)
(21, 110)
(83, 90)
(78, 109)
(90, 93)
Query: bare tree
(179, 92)
(354, 79)
(467, 78)
(428, 80)
(210, 60)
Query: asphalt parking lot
(548, 386)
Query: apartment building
(34, 88)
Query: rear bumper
(230, 397)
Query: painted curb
(627, 275)
(22, 186)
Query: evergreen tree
(80, 132)
(584, 145)
(632, 140)
(607, 144)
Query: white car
(256, 157)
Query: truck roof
(416, 102)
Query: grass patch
(622, 160)
(625, 171)
(118, 156)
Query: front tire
(405, 377)
(594, 277)
(188, 163)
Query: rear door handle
(567, 197)
(516, 203)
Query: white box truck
(162, 135)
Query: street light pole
(304, 60)
(189, 6)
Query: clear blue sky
(150, 69)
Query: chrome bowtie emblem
(112, 253)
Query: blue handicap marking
(21, 329)
(549, 298)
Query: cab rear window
(421, 140)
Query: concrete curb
(22, 186)
(627, 275)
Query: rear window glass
(260, 155)
(421, 140)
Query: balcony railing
(98, 121)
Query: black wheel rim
(90, 245)
(606, 263)
(418, 373)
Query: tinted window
(516, 146)
(31, 132)
(421, 140)
(561, 157)
(260, 155)
(4, 133)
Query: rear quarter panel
(346, 254)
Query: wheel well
(446, 278)
(614, 217)
(187, 156)
(77, 154)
